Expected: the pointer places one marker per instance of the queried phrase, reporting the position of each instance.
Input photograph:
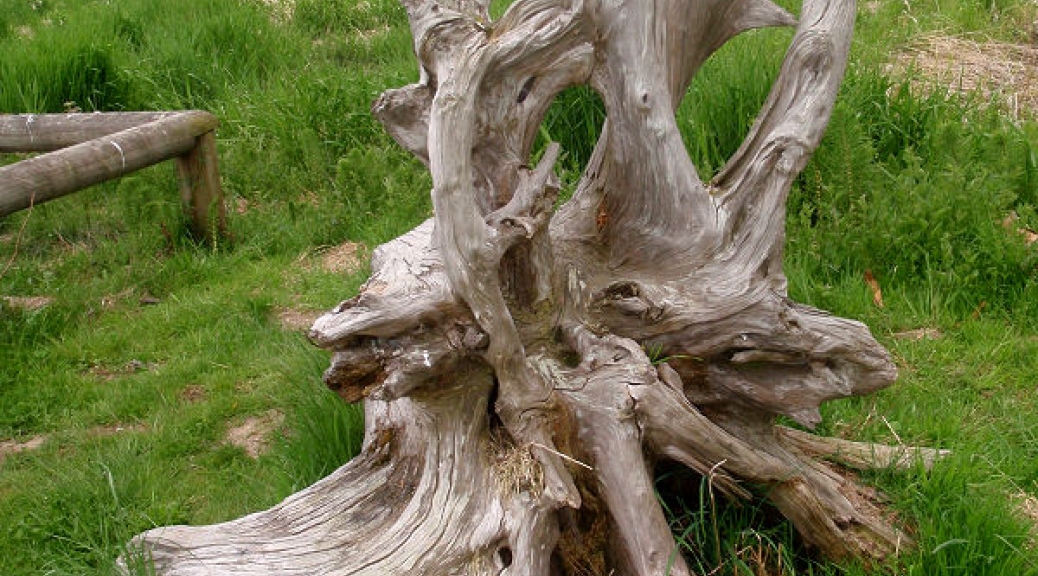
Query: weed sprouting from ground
(729, 538)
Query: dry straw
(1000, 71)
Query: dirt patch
(253, 435)
(28, 303)
(297, 320)
(8, 447)
(1000, 70)
(347, 257)
(113, 429)
(109, 373)
(193, 393)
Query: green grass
(151, 331)
(304, 167)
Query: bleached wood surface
(514, 415)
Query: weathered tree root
(429, 494)
(524, 368)
(436, 491)
(860, 455)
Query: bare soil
(193, 393)
(253, 435)
(347, 257)
(297, 320)
(9, 447)
(28, 303)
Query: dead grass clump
(113, 429)
(995, 70)
(516, 470)
(109, 373)
(919, 334)
(371, 34)
(1026, 505)
(281, 11)
(759, 555)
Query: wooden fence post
(86, 149)
(199, 176)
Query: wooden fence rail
(85, 149)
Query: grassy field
(128, 350)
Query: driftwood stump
(513, 416)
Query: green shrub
(915, 187)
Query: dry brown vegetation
(1003, 72)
